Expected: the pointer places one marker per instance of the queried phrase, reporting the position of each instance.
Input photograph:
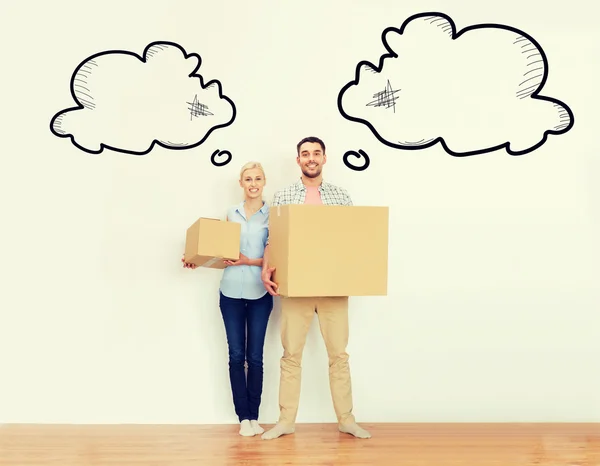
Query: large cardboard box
(322, 250)
(210, 241)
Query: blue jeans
(239, 316)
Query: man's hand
(187, 265)
(270, 285)
(243, 260)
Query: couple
(246, 300)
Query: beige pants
(296, 317)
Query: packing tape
(211, 262)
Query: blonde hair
(251, 165)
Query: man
(297, 313)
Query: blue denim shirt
(243, 281)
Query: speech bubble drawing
(360, 154)
(130, 103)
(473, 91)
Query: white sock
(278, 431)
(256, 427)
(246, 429)
(354, 429)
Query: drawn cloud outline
(440, 139)
(142, 58)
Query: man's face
(311, 159)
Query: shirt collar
(264, 209)
(300, 185)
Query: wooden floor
(312, 444)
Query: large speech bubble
(130, 103)
(473, 91)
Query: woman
(245, 303)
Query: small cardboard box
(322, 250)
(210, 241)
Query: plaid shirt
(296, 194)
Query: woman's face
(253, 182)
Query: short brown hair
(310, 139)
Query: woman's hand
(243, 260)
(187, 265)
